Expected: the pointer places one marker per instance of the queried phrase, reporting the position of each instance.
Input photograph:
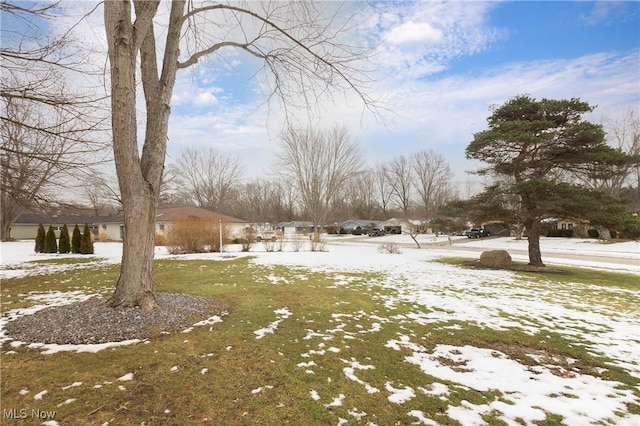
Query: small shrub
(391, 248)
(160, 239)
(50, 244)
(65, 242)
(86, 242)
(319, 245)
(269, 245)
(103, 237)
(40, 237)
(195, 236)
(76, 240)
(298, 242)
(593, 233)
(248, 238)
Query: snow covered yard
(347, 336)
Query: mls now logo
(23, 413)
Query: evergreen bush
(50, 244)
(76, 240)
(86, 243)
(566, 233)
(40, 237)
(64, 245)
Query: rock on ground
(496, 259)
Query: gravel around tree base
(94, 321)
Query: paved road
(549, 255)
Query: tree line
(311, 179)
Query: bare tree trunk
(139, 176)
(9, 212)
(135, 284)
(137, 257)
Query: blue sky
(438, 67)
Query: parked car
(376, 232)
(477, 233)
(266, 236)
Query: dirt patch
(558, 365)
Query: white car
(266, 236)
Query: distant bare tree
(260, 201)
(383, 188)
(48, 129)
(361, 196)
(35, 165)
(399, 176)
(624, 135)
(433, 180)
(286, 201)
(171, 193)
(318, 163)
(102, 195)
(208, 177)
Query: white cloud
(205, 98)
(412, 32)
(422, 38)
(610, 12)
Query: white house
(26, 226)
(294, 228)
(405, 226)
(111, 228)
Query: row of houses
(111, 228)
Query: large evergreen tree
(50, 244)
(40, 237)
(64, 245)
(86, 243)
(76, 240)
(532, 144)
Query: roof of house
(296, 223)
(168, 214)
(47, 219)
(395, 221)
(173, 214)
(363, 223)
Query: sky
(436, 69)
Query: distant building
(353, 224)
(294, 227)
(111, 228)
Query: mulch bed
(94, 321)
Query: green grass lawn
(339, 328)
